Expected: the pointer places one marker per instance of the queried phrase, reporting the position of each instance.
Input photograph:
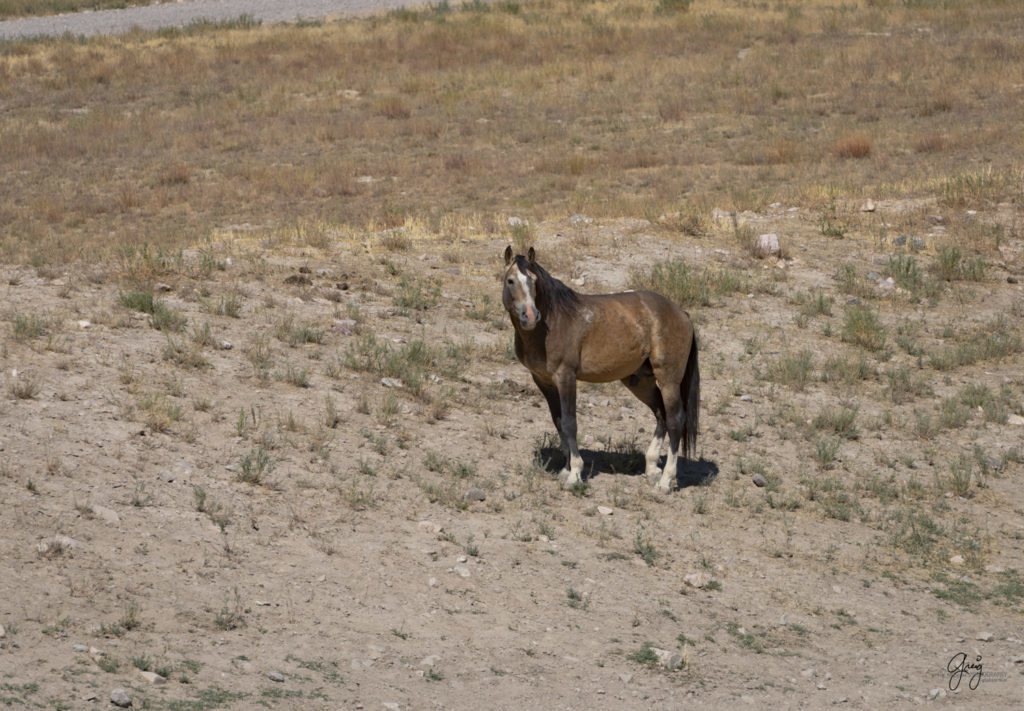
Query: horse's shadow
(698, 472)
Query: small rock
(276, 676)
(697, 580)
(429, 661)
(462, 571)
(119, 697)
(391, 382)
(899, 241)
(432, 582)
(668, 658)
(298, 280)
(429, 527)
(994, 569)
(985, 637)
(957, 560)
(1015, 420)
(226, 345)
(83, 323)
(76, 647)
(868, 206)
(1018, 660)
(605, 511)
(625, 678)
(152, 677)
(390, 705)
(758, 480)
(936, 693)
(768, 244)
(474, 493)
(163, 287)
(580, 220)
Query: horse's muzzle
(529, 317)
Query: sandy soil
(353, 574)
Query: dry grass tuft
(856, 145)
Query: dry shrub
(393, 107)
(931, 142)
(853, 145)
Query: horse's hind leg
(674, 423)
(643, 385)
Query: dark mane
(552, 294)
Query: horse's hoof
(662, 488)
(568, 478)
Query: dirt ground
(271, 513)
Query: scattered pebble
(391, 382)
(768, 243)
(462, 571)
(474, 493)
(957, 560)
(605, 510)
(152, 677)
(868, 206)
(936, 693)
(119, 697)
(668, 658)
(697, 580)
(276, 676)
(985, 637)
(625, 678)
(758, 480)
(429, 527)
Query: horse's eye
(511, 281)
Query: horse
(640, 338)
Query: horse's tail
(689, 391)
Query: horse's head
(519, 294)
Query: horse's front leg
(566, 381)
(550, 393)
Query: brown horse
(638, 337)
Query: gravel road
(178, 14)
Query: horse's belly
(596, 370)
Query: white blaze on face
(529, 310)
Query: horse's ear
(508, 255)
(530, 255)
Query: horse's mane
(552, 294)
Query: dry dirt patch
(204, 475)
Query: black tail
(689, 391)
